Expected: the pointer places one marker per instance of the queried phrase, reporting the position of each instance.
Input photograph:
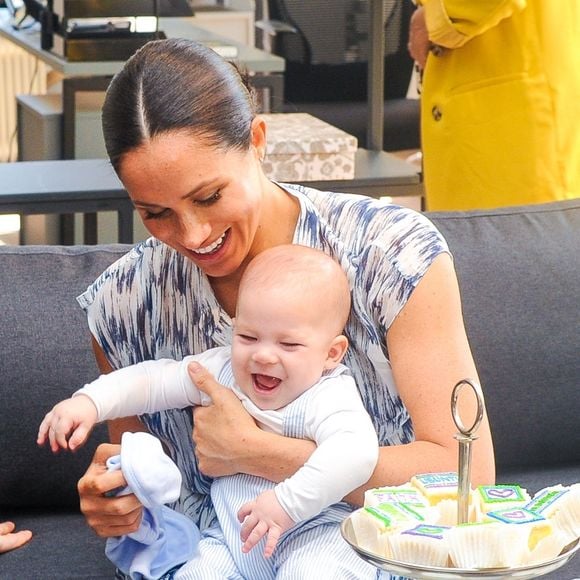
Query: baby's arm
(142, 388)
(345, 458)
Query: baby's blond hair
(308, 271)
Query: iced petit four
(486, 545)
(404, 494)
(440, 490)
(494, 497)
(372, 525)
(436, 486)
(425, 544)
(533, 527)
(561, 505)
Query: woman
(500, 103)
(182, 134)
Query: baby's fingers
(43, 429)
(273, 537)
(257, 533)
(245, 511)
(79, 436)
(249, 523)
(58, 434)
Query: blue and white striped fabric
(153, 303)
(299, 550)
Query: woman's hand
(419, 43)
(107, 516)
(9, 539)
(221, 430)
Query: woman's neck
(280, 215)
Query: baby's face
(280, 347)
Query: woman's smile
(213, 247)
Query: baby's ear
(336, 351)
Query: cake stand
(465, 437)
(434, 573)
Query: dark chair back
(326, 59)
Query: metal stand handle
(465, 437)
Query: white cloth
(335, 419)
(165, 538)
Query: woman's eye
(213, 198)
(149, 215)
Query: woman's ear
(336, 351)
(259, 137)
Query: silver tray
(434, 573)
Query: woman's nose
(194, 231)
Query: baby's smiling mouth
(265, 383)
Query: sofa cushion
(519, 275)
(46, 354)
(63, 547)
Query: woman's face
(204, 202)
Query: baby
(284, 364)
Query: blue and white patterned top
(154, 303)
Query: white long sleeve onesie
(347, 446)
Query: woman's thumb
(203, 380)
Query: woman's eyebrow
(196, 189)
(144, 205)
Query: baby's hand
(263, 516)
(68, 424)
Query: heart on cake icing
(501, 493)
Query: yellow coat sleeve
(452, 23)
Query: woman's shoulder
(147, 262)
(355, 208)
(361, 221)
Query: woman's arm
(429, 353)
(452, 23)
(109, 516)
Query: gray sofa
(519, 271)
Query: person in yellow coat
(500, 101)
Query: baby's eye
(247, 337)
(290, 344)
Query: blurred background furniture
(326, 47)
(90, 186)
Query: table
(90, 185)
(377, 174)
(265, 69)
(64, 186)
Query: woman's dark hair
(172, 85)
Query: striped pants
(319, 552)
